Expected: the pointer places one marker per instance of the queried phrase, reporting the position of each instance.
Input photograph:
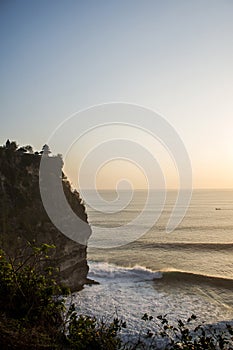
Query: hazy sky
(175, 57)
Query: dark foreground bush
(86, 332)
(32, 308)
(185, 335)
(31, 305)
(33, 316)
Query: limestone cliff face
(23, 217)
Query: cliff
(23, 217)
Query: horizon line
(160, 189)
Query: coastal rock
(23, 217)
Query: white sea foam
(107, 272)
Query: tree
(22, 150)
(29, 149)
(11, 145)
(8, 143)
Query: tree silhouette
(29, 149)
(11, 145)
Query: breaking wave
(103, 271)
(106, 271)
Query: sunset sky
(174, 57)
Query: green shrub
(86, 332)
(31, 305)
(26, 291)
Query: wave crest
(106, 271)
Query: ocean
(188, 271)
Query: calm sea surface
(187, 271)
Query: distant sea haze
(187, 271)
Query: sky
(172, 56)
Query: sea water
(188, 271)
